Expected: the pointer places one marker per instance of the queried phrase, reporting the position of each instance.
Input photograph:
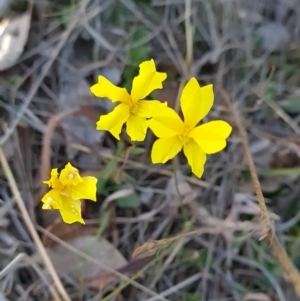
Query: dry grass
(45, 106)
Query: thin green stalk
(183, 209)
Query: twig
(269, 233)
(30, 226)
(11, 266)
(260, 198)
(121, 170)
(282, 114)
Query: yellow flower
(68, 188)
(132, 110)
(175, 134)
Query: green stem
(183, 210)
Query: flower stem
(180, 198)
(119, 175)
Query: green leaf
(271, 90)
(291, 105)
(127, 178)
(120, 148)
(110, 167)
(276, 271)
(129, 201)
(120, 15)
(294, 171)
(136, 150)
(103, 223)
(14, 80)
(105, 175)
(192, 296)
(129, 73)
(139, 53)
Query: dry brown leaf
(83, 239)
(68, 262)
(100, 282)
(13, 37)
(148, 249)
(66, 232)
(151, 247)
(105, 280)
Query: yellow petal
(104, 88)
(51, 200)
(211, 136)
(196, 102)
(147, 81)
(114, 121)
(71, 211)
(53, 181)
(195, 156)
(136, 128)
(84, 190)
(165, 122)
(165, 149)
(70, 175)
(145, 108)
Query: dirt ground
(156, 232)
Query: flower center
(187, 128)
(135, 109)
(184, 139)
(66, 192)
(184, 134)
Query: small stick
(11, 266)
